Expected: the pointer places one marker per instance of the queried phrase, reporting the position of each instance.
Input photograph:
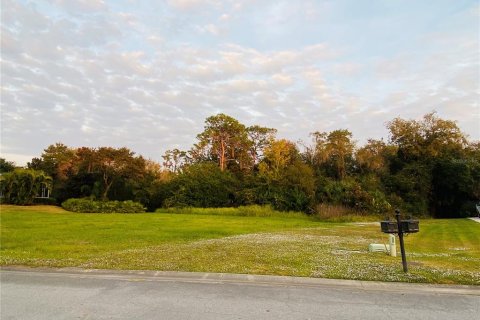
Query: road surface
(100, 294)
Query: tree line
(426, 167)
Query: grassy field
(444, 251)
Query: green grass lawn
(444, 251)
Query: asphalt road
(96, 294)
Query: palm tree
(22, 186)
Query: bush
(91, 206)
(350, 193)
(202, 185)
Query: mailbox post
(400, 236)
(400, 227)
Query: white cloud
(282, 79)
(187, 5)
(394, 68)
(81, 6)
(225, 17)
(130, 79)
(210, 28)
(348, 69)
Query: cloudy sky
(146, 74)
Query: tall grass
(339, 213)
(323, 212)
(243, 211)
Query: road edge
(205, 277)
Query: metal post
(400, 236)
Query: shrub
(350, 193)
(91, 206)
(202, 185)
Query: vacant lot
(444, 251)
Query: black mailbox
(405, 226)
(389, 226)
(409, 226)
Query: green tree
(21, 186)
(430, 151)
(224, 140)
(6, 166)
(94, 172)
(277, 156)
(116, 164)
(298, 185)
(174, 160)
(374, 156)
(148, 189)
(334, 149)
(35, 164)
(455, 184)
(202, 185)
(428, 138)
(288, 183)
(260, 138)
(57, 160)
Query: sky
(146, 74)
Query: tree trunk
(222, 155)
(107, 187)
